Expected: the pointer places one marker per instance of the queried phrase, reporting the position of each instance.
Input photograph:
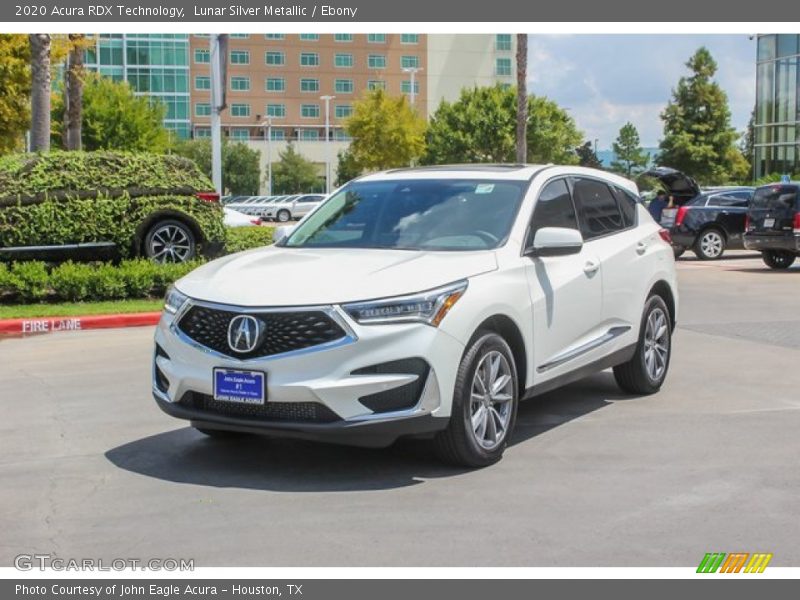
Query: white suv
(424, 302)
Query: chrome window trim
(333, 312)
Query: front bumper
(321, 376)
(789, 242)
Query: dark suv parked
(773, 224)
(707, 222)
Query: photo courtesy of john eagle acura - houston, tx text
(424, 302)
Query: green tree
(748, 146)
(387, 132)
(698, 137)
(587, 156)
(294, 174)
(15, 91)
(346, 167)
(480, 127)
(114, 118)
(241, 171)
(629, 156)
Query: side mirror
(556, 241)
(282, 232)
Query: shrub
(139, 277)
(30, 280)
(72, 281)
(107, 283)
(245, 238)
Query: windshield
(445, 214)
(775, 197)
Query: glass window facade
(376, 38)
(502, 42)
(409, 38)
(405, 86)
(343, 111)
(344, 86)
(309, 59)
(376, 84)
(240, 133)
(309, 85)
(278, 134)
(202, 109)
(376, 61)
(503, 66)
(309, 134)
(275, 58)
(409, 62)
(240, 110)
(156, 66)
(275, 84)
(202, 56)
(276, 111)
(309, 37)
(309, 111)
(202, 82)
(240, 57)
(240, 84)
(777, 117)
(343, 61)
(274, 36)
(343, 37)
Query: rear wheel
(284, 215)
(170, 241)
(646, 371)
(778, 259)
(710, 244)
(484, 405)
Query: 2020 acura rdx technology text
(424, 302)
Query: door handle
(591, 267)
(641, 248)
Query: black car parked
(707, 222)
(773, 224)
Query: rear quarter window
(774, 197)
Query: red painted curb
(37, 325)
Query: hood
(275, 276)
(675, 182)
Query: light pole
(413, 71)
(267, 124)
(327, 100)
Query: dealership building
(777, 116)
(276, 82)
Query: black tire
(634, 376)
(219, 433)
(283, 216)
(710, 244)
(170, 240)
(778, 259)
(458, 444)
(678, 251)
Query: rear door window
(627, 206)
(599, 213)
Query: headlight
(426, 307)
(174, 300)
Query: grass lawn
(70, 309)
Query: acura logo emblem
(244, 333)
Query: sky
(606, 80)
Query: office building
(777, 118)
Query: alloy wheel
(656, 344)
(712, 244)
(491, 398)
(169, 243)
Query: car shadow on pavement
(253, 462)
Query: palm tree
(522, 97)
(40, 91)
(74, 80)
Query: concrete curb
(39, 325)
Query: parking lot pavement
(91, 468)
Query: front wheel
(777, 259)
(646, 371)
(170, 241)
(710, 245)
(284, 216)
(484, 405)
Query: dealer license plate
(244, 387)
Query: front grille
(399, 398)
(283, 412)
(283, 331)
